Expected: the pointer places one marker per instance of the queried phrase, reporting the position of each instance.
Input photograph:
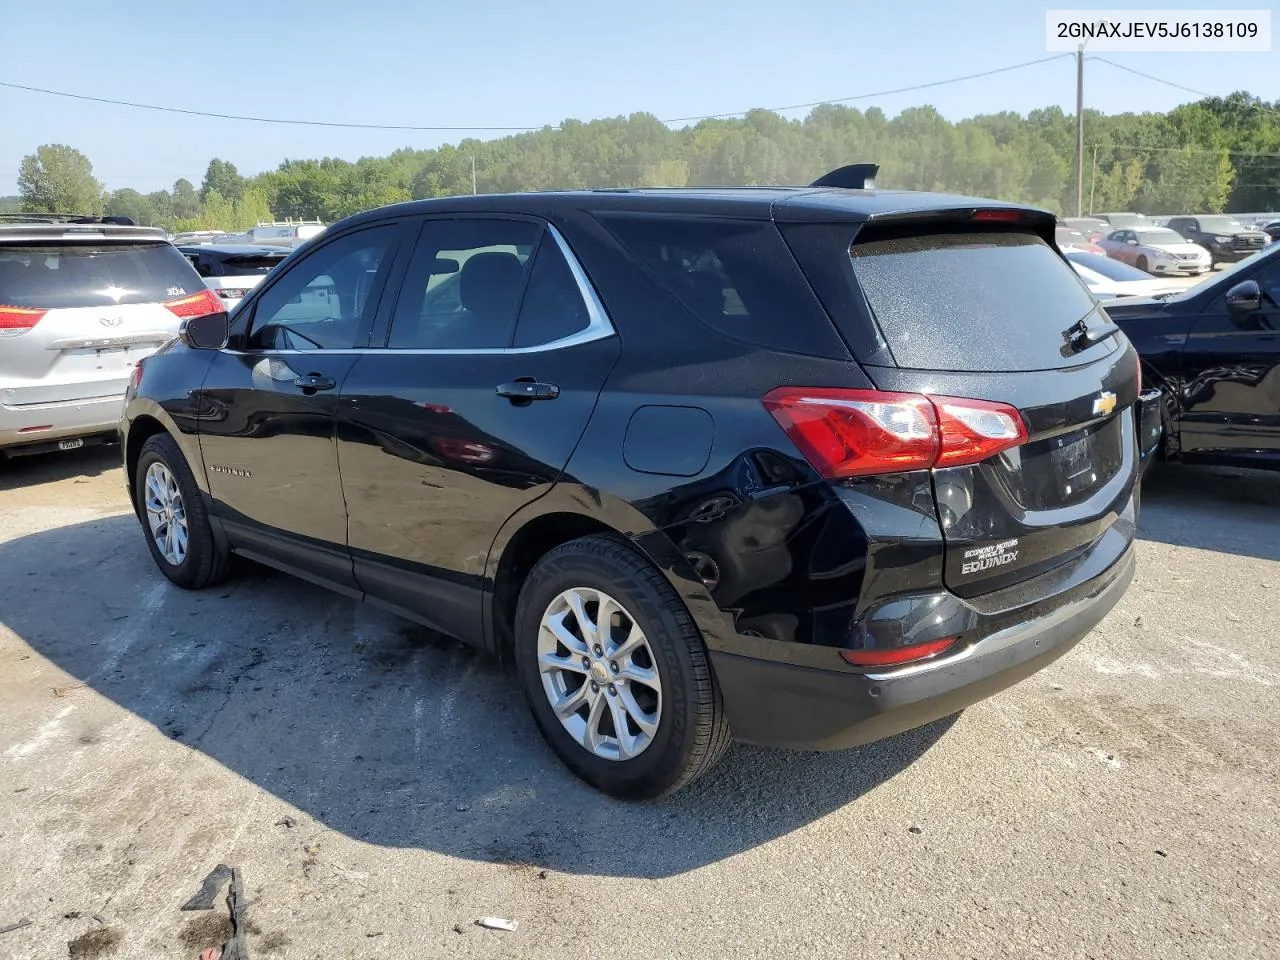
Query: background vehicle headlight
(1221, 239)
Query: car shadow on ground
(1224, 509)
(382, 730)
(35, 469)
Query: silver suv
(82, 300)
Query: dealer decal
(984, 558)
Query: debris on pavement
(16, 926)
(497, 923)
(204, 898)
(236, 948)
(287, 822)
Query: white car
(1108, 279)
(1156, 250)
(82, 300)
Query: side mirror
(209, 332)
(1244, 297)
(1132, 243)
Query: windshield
(1111, 269)
(1160, 236)
(942, 300)
(1119, 220)
(251, 265)
(1220, 225)
(84, 275)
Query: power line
(1139, 73)
(441, 129)
(881, 93)
(234, 116)
(1137, 147)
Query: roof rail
(855, 176)
(65, 218)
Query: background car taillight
(196, 305)
(16, 320)
(855, 433)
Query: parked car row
(1167, 246)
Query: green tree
(59, 179)
(130, 203)
(186, 202)
(223, 177)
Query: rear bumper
(781, 704)
(42, 423)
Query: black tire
(205, 563)
(692, 733)
(1143, 265)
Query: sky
(504, 63)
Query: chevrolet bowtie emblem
(1104, 404)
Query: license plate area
(74, 444)
(1073, 464)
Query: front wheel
(616, 672)
(1142, 265)
(174, 519)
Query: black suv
(797, 466)
(1227, 239)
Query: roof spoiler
(856, 176)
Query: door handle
(315, 381)
(526, 389)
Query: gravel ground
(382, 788)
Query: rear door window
(736, 276)
(972, 301)
(55, 276)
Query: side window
(463, 285)
(552, 308)
(321, 302)
(1269, 283)
(736, 276)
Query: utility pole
(1079, 129)
(1093, 178)
(473, 174)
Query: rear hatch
(77, 315)
(943, 304)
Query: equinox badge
(1104, 403)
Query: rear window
(972, 301)
(736, 276)
(86, 275)
(248, 265)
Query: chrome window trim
(599, 326)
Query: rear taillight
(137, 375)
(15, 320)
(1138, 362)
(857, 433)
(196, 305)
(896, 656)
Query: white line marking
(48, 730)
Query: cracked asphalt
(381, 788)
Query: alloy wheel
(166, 514)
(599, 674)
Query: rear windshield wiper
(1084, 335)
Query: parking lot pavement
(381, 788)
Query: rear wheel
(174, 519)
(615, 671)
(1142, 265)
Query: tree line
(1217, 154)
